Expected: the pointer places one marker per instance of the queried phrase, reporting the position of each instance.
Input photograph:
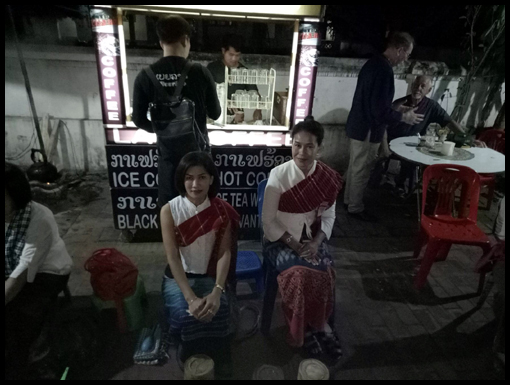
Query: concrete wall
(65, 85)
(81, 143)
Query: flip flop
(331, 344)
(311, 345)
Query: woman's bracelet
(220, 287)
(191, 301)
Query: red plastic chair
(494, 139)
(439, 228)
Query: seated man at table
(433, 113)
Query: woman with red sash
(200, 239)
(298, 217)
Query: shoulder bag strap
(182, 79)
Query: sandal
(311, 345)
(331, 344)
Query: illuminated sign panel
(216, 137)
(106, 37)
(304, 79)
(213, 10)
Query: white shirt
(44, 250)
(275, 222)
(195, 257)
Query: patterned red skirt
(307, 291)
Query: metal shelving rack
(251, 80)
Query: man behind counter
(231, 54)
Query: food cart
(244, 154)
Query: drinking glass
(254, 100)
(264, 103)
(262, 78)
(234, 74)
(244, 73)
(245, 101)
(431, 140)
(235, 100)
(253, 76)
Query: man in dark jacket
(371, 112)
(174, 37)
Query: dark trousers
(25, 316)
(407, 172)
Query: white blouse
(275, 222)
(44, 250)
(195, 257)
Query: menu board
(133, 175)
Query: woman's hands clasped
(204, 309)
(307, 250)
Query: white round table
(486, 160)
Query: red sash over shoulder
(318, 190)
(214, 218)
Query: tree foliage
(485, 43)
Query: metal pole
(27, 84)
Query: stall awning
(274, 12)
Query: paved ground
(388, 330)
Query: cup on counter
(448, 148)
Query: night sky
(430, 25)
(434, 27)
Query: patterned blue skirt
(185, 325)
(283, 257)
